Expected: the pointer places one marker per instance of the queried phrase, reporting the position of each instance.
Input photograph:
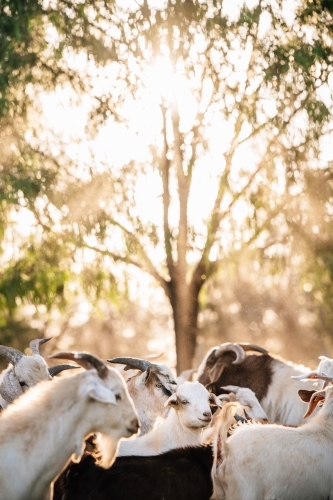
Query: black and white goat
(268, 376)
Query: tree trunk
(185, 313)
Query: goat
(179, 474)
(25, 371)
(189, 412)
(264, 462)
(44, 429)
(246, 398)
(149, 388)
(267, 376)
(246, 406)
(231, 414)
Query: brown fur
(254, 372)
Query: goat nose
(207, 414)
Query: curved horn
(55, 370)
(12, 355)
(252, 347)
(35, 344)
(86, 360)
(236, 348)
(133, 363)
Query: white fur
(29, 370)
(282, 403)
(325, 367)
(202, 366)
(223, 421)
(45, 428)
(247, 399)
(189, 413)
(265, 462)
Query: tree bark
(185, 307)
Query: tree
(243, 102)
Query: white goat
(45, 428)
(247, 399)
(23, 372)
(265, 462)
(189, 412)
(149, 388)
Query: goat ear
(216, 371)
(142, 379)
(172, 401)
(316, 398)
(100, 393)
(305, 395)
(214, 400)
(148, 372)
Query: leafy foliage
(246, 103)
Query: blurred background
(166, 176)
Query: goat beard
(106, 448)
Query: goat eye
(118, 397)
(159, 385)
(184, 402)
(23, 384)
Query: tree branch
(150, 269)
(165, 173)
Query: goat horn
(35, 344)
(133, 363)
(238, 418)
(313, 375)
(55, 370)
(236, 348)
(252, 347)
(12, 355)
(84, 359)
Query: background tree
(211, 98)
